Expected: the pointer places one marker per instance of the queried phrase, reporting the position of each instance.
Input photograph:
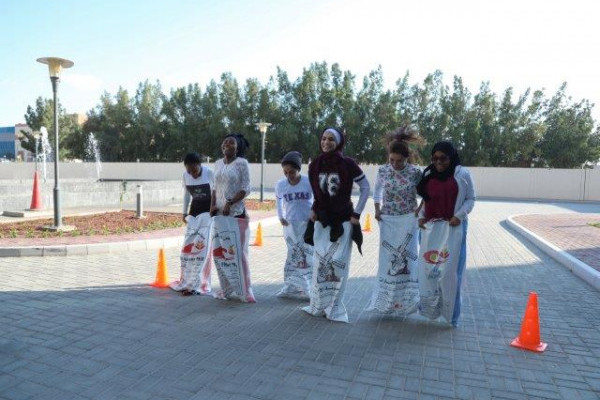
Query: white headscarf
(336, 135)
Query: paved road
(88, 327)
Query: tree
(146, 140)
(569, 141)
(428, 113)
(489, 129)
(212, 126)
(481, 135)
(112, 123)
(43, 116)
(183, 126)
(375, 114)
(455, 110)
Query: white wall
(592, 184)
(532, 183)
(518, 183)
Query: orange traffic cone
(162, 277)
(529, 339)
(367, 227)
(258, 241)
(36, 197)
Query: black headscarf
(333, 161)
(431, 172)
(242, 143)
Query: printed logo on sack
(193, 247)
(224, 253)
(436, 257)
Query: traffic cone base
(529, 338)
(259, 239)
(162, 277)
(539, 348)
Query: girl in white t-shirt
(294, 201)
(198, 183)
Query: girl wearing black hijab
(336, 224)
(449, 195)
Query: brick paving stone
(400, 394)
(94, 321)
(569, 232)
(375, 393)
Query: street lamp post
(55, 66)
(262, 127)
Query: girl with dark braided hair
(231, 231)
(232, 178)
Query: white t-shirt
(198, 190)
(294, 201)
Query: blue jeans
(462, 262)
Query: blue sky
(526, 43)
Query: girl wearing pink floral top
(396, 288)
(395, 186)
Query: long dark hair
(431, 172)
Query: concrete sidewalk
(89, 327)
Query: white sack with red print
(230, 252)
(196, 256)
(297, 271)
(438, 265)
(397, 289)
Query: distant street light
(55, 66)
(262, 127)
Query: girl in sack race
(198, 181)
(396, 289)
(294, 199)
(231, 232)
(449, 195)
(335, 223)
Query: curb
(108, 247)
(578, 267)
